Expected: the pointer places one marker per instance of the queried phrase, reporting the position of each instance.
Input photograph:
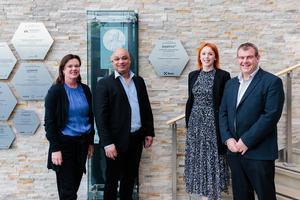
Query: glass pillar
(106, 31)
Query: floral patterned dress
(206, 172)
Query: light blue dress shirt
(131, 93)
(244, 84)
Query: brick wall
(273, 25)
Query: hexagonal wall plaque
(7, 60)
(32, 81)
(6, 136)
(26, 122)
(7, 101)
(168, 57)
(32, 41)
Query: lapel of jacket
(120, 87)
(216, 87)
(252, 85)
(194, 78)
(138, 88)
(235, 90)
(217, 80)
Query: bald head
(120, 51)
(121, 61)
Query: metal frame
(174, 161)
(289, 135)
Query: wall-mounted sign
(26, 122)
(112, 38)
(168, 57)
(7, 101)
(7, 60)
(32, 41)
(32, 81)
(6, 136)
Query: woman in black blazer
(69, 125)
(206, 170)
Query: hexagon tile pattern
(7, 101)
(32, 41)
(7, 60)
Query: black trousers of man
(124, 169)
(69, 174)
(250, 175)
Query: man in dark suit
(250, 110)
(125, 123)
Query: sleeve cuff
(108, 146)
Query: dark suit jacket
(220, 79)
(113, 113)
(255, 119)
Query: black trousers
(252, 175)
(69, 174)
(124, 169)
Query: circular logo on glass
(113, 39)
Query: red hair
(215, 50)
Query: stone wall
(273, 25)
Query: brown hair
(215, 50)
(246, 46)
(61, 78)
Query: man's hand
(90, 151)
(111, 151)
(56, 158)
(231, 145)
(241, 146)
(148, 141)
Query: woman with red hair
(206, 171)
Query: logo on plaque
(32, 41)
(168, 57)
(114, 39)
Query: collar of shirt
(117, 74)
(240, 76)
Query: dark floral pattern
(206, 172)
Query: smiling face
(247, 60)
(121, 61)
(207, 57)
(71, 70)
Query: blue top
(131, 93)
(78, 112)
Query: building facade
(273, 25)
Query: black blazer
(56, 115)
(113, 113)
(220, 79)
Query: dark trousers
(124, 169)
(69, 174)
(252, 175)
